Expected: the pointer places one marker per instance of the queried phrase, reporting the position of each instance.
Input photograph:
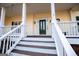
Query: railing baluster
(3, 48)
(7, 43)
(74, 29)
(70, 27)
(12, 43)
(0, 44)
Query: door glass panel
(41, 26)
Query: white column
(53, 14)
(2, 16)
(2, 20)
(59, 47)
(23, 29)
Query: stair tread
(35, 46)
(32, 53)
(2, 54)
(40, 36)
(39, 39)
(17, 54)
(53, 51)
(37, 43)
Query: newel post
(59, 48)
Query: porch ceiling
(16, 9)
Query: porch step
(39, 36)
(2, 54)
(39, 39)
(35, 47)
(17, 54)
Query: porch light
(58, 19)
(50, 21)
(34, 22)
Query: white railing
(5, 29)
(70, 28)
(8, 41)
(62, 45)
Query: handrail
(8, 41)
(5, 35)
(6, 29)
(68, 22)
(10, 26)
(69, 28)
(61, 40)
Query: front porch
(38, 20)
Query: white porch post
(2, 16)
(23, 29)
(59, 46)
(2, 19)
(53, 15)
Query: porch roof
(16, 8)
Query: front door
(42, 27)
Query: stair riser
(36, 50)
(38, 44)
(33, 53)
(35, 46)
(39, 39)
(17, 54)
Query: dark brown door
(42, 26)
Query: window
(77, 19)
(14, 24)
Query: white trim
(73, 40)
(46, 25)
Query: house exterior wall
(40, 16)
(74, 14)
(33, 29)
(29, 21)
(9, 20)
(64, 15)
